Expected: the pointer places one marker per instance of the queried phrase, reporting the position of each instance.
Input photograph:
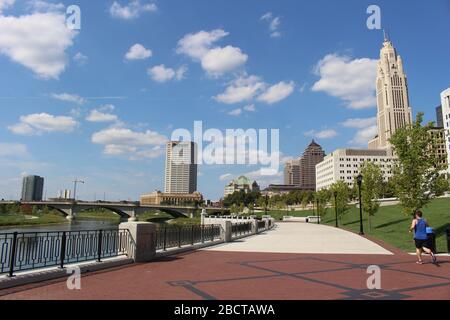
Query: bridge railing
(178, 236)
(34, 250)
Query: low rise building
(241, 184)
(161, 198)
(345, 165)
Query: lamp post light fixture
(359, 180)
(266, 202)
(317, 210)
(75, 188)
(335, 207)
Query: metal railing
(240, 229)
(173, 236)
(261, 225)
(21, 251)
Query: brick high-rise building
(313, 155)
(302, 171)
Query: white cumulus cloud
(39, 123)
(243, 88)
(363, 136)
(277, 92)
(37, 41)
(323, 134)
(274, 24)
(131, 10)
(350, 80)
(235, 112)
(102, 114)
(218, 61)
(138, 52)
(134, 144)
(162, 73)
(67, 97)
(215, 60)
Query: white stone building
(181, 167)
(345, 165)
(445, 104)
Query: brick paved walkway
(235, 275)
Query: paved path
(243, 275)
(305, 238)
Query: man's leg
(419, 254)
(430, 252)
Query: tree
(371, 188)
(322, 198)
(342, 197)
(416, 171)
(251, 208)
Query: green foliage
(416, 173)
(342, 191)
(322, 198)
(241, 197)
(371, 188)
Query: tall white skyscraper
(181, 167)
(445, 104)
(394, 111)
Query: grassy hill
(391, 225)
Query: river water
(74, 225)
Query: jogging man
(419, 226)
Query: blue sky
(97, 103)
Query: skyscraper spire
(393, 109)
(386, 36)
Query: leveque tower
(393, 106)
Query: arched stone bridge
(126, 210)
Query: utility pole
(75, 188)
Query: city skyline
(104, 108)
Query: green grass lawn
(391, 225)
(21, 220)
(98, 215)
(278, 214)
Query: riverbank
(12, 220)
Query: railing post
(165, 238)
(179, 237)
(192, 234)
(13, 255)
(63, 250)
(99, 247)
(203, 233)
(212, 233)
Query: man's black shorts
(422, 243)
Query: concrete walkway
(295, 237)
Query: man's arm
(413, 225)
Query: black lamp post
(317, 209)
(359, 179)
(335, 206)
(266, 203)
